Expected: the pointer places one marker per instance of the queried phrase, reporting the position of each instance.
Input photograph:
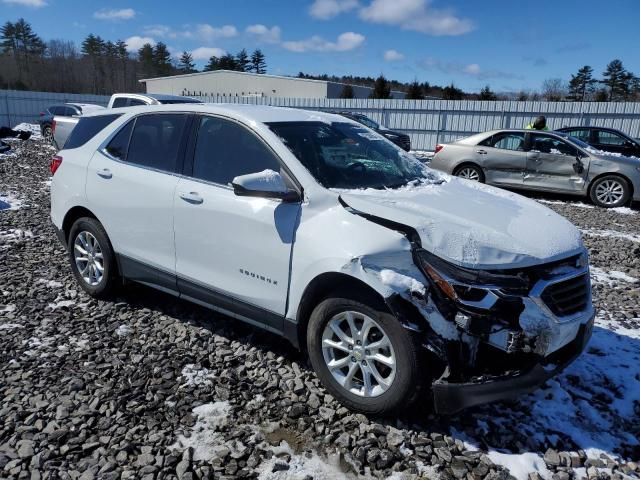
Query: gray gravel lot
(147, 386)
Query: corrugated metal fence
(427, 121)
(17, 106)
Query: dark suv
(400, 139)
(606, 139)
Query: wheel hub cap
(609, 192)
(88, 258)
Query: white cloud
(160, 31)
(393, 56)
(205, 53)
(416, 15)
(209, 32)
(136, 42)
(121, 14)
(469, 70)
(472, 69)
(27, 3)
(264, 33)
(326, 9)
(345, 42)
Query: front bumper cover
(450, 398)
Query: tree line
(98, 66)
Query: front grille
(567, 297)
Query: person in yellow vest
(539, 123)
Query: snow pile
(195, 376)
(30, 127)
(594, 232)
(123, 330)
(598, 275)
(205, 439)
(522, 464)
(624, 210)
(401, 283)
(9, 201)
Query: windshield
(349, 156)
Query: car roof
(583, 127)
(246, 112)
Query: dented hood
(474, 225)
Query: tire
(84, 234)
(610, 191)
(47, 133)
(470, 172)
(403, 383)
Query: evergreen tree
(582, 84)
(185, 64)
(451, 92)
(162, 59)
(381, 88)
(258, 63)
(619, 81)
(227, 62)
(145, 57)
(21, 42)
(93, 48)
(487, 94)
(243, 63)
(123, 56)
(602, 95)
(415, 92)
(347, 92)
(214, 64)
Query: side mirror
(265, 184)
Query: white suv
(390, 275)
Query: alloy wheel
(469, 173)
(609, 192)
(88, 257)
(359, 354)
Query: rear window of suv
(86, 129)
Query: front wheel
(362, 355)
(470, 172)
(91, 257)
(610, 191)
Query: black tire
(105, 287)
(618, 183)
(404, 387)
(469, 167)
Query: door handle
(191, 197)
(481, 152)
(105, 173)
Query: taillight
(438, 148)
(56, 161)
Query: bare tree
(554, 90)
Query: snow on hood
(474, 225)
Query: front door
(233, 252)
(503, 158)
(554, 164)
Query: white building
(229, 83)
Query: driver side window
(225, 150)
(507, 141)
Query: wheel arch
(611, 174)
(72, 215)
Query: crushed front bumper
(450, 398)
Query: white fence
(427, 122)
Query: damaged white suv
(388, 274)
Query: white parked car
(118, 100)
(390, 275)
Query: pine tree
(258, 63)
(162, 59)
(185, 64)
(123, 56)
(347, 92)
(619, 81)
(415, 92)
(381, 88)
(20, 41)
(451, 92)
(227, 62)
(93, 49)
(487, 94)
(582, 84)
(145, 57)
(214, 64)
(243, 63)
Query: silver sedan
(544, 161)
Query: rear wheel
(91, 257)
(610, 191)
(362, 355)
(470, 172)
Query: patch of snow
(62, 304)
(194, 376)
(123, 330)
(10, 326)
(13, 235)
(593, 232)
(598, 275)
(50, 283)
(205, 439)
(570, 204)
(30, 127)
(401, 283)
(520, 465)
(624, 210)
(9, 201)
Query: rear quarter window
(86, 129)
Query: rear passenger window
(133, 102)
(506, 141)
(120, 102)
(225, 150)
(155, 141)
(86, 129)
(579, 133)
(119, 144)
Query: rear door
(554, 164)
(130, 187)
(503, 158)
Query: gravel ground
(147, 386)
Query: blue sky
(510, 45)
